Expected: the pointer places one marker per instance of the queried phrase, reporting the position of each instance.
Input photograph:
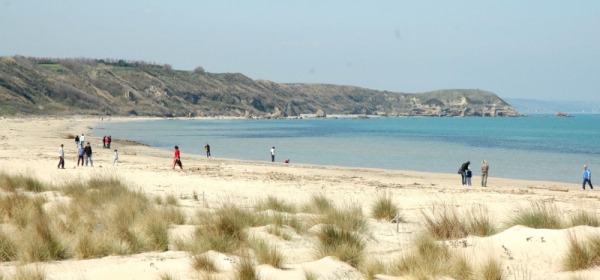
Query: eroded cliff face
(86, 86)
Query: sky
(545, 50)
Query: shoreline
(474, 166)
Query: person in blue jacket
(587, 178)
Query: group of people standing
(85, 153)
(106, 140)
(466, 174)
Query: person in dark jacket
(87, 151)
(462, 171)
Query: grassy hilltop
(35, 86)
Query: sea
(536, 147)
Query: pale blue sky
(518, 49)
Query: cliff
(33, 86)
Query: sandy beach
(29, 146)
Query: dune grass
(98, 217)
(347, 218)
(11, 183)
(372, 267)
(309, 275)
(244, 269)
(492, 270)
(582, 254)
(204, 263)
(224, 230)
(347, 246)
(384, 208)
(443, 221)
(584, 218)
(278, 231)
(267, 254)
(273, 203)
(8, 248)
(166, 276)
(430, 259)
(318, 203)
(538, 214)
(29, 274)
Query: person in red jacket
(177, 158)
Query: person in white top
(273, 154)
(82, 140)
(61, 157)
(116, 160)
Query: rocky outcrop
(30, 86)
(320, 114)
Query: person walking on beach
(273, 154)
(116, 159)
(468, 175)
(484, 173)
(587, 178)
(88, 155)
(80, 153)
(177, 158)
(76, 141)
(82, 139)
(104, 142)
(61, 157)
(207, 150)
(462, 170)
(108, 140)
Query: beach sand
(29, 146)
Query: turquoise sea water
(539, 147)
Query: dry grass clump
(347, 246)
(582, 254)
(12, 183)
(427, 259)
(444, 222)
(266, 254)
(318, 204)
(28, 274)
(280, 220)
(20, 209)
(223, 231)
(309, 275)
(8, 248)
(276, 204)
(278, 231)
(244, 270)
(370, 268)
(42, 242)
(348, 218)
(98, 217)
(431, 260)
(384, 208)
(340, 233)
(171, 199)
(539, 214)
(203, 262)
(121, 221)
(166, 276)
(584, 218)
(492, 270)
(478, 221)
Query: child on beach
(116, 160)
(468, 176)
